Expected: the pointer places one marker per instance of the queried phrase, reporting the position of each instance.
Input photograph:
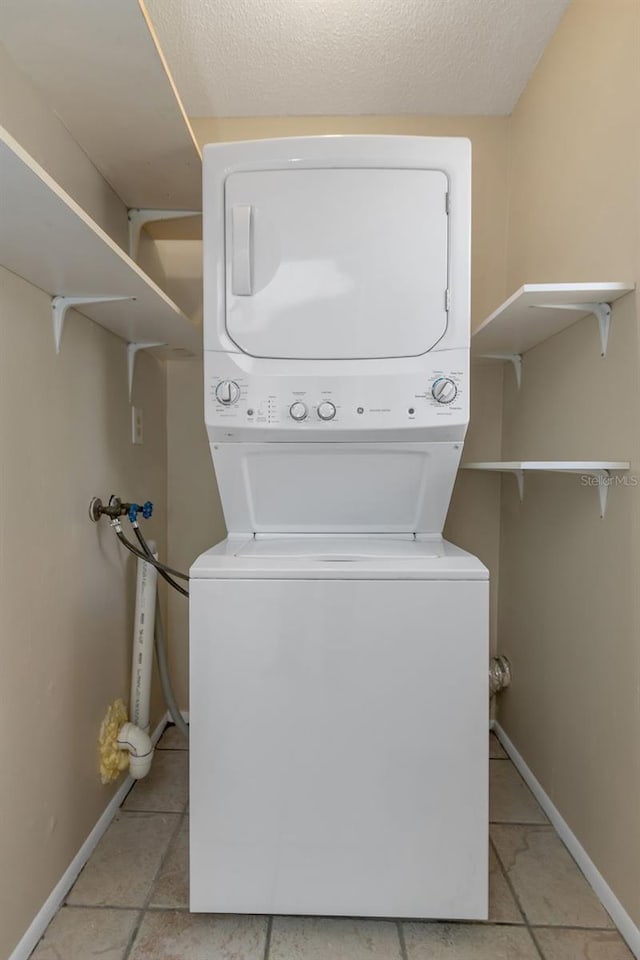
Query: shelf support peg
(139, 216)
(132, 350)
(600, 310)
(60, 305)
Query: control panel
(444, 390)
(227, 392)
(310, 407)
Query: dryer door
(336, 264)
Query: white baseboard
(56, 898)
(628, 929)
(159, 730)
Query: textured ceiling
(233, 58)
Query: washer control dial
(326, 410)
(444, 390)
(298, 410)
(227, 392)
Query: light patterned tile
(496, 750)
(179, 935)
(172, 739)
(510, 800)
(122, 868)
(467, 941)
(76, 933)
(319, 938)
(502, 905)
(172, 886)
(547, 881)
(582, 945)
(166, 787)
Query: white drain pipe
(140, 748)
(142, 656)
(134, 736)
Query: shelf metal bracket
(519, 475)
(60, 305)
(132, 350)
(602, 480)
(600, 310)
(139, 216)
(513, 358)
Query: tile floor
(130, 901)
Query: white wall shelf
(100, 68)
(47, 239)
(537, 311)
(600, 472)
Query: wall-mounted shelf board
(599, 471)
(99, 66)
(538, 311)
(47, 239)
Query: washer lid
(337, 558)
(336, 263)
(338, 549)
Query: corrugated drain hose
(161, 646)
(158, 634)
(163, 667)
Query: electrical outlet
(136, 425)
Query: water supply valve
(116, 508)
(134, 509)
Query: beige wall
(473, 521)
(195, 517)
(24, 114)
(195, 520)
(66, 589)
(569, 581)
(569, 602)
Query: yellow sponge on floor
(113, 760)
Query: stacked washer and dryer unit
(339, 646)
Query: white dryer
(339, 647)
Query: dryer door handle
(242, 250)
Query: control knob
(444, 390)
(227, 392)
(298, 410)
(326, 410)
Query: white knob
(298, 410)
(444, 390)
(326, 410)
(227, 392)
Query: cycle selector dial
(227, 392)
(298, 411)
(444, 390)
(326, 410)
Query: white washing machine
(339, 647)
